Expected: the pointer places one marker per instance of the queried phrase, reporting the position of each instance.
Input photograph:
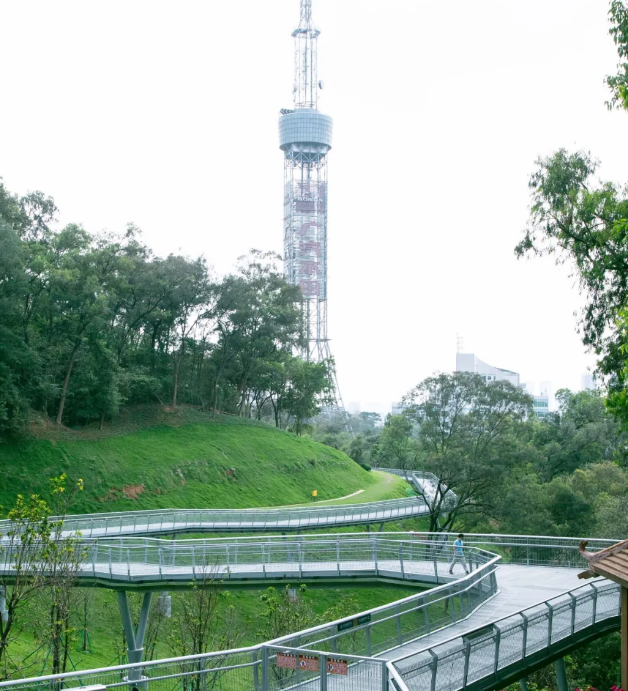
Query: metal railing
(123, 562)
(487, 654)
(382, 628)
(170, 521)
(527, 550)
(454, 663)
(255, 668)
(426, 484)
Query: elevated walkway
(478, 631)
(180, 521)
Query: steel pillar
(135, 637)
(523, 683)
(561, 674)
(4, 612)
(624, 637)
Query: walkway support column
(561, 674)
(4, 612)
(523, 683)
(135, 637)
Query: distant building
(468, 362)
(540, 405)
(588, 382)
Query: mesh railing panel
(455, 663)
(216, 520)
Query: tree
(285, 611)
(579, 433)
(190, 292)
(63, 555)
(586, 224)
(469, 434)
(310, 387)
(396, 448)
(200, 626)
(35, 552)
(618, 84)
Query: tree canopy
(91, 323)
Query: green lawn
(189, 461)
(105, 627)
(218, 465)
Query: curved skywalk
(179, 521)
(475, 632)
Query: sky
(165, 114)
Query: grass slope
(221, 464)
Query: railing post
(434, 666)
(265, 681)
(549, 623)
(467, 655)
(498, 638)
(594, 613)
(524, 642)
(573, 613)
(367, 635)
(403, 575)
(385, 680)
(399, 636)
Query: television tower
(305, 139)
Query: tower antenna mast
(305, 139)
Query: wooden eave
(611, 563)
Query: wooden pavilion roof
(611, 563)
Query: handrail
(387, 625)
(473, 589)
(167, 521)
(533, 629)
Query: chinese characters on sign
(337, 666)
(286, 660)
(310, 663)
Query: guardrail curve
(399, 646)
(177, 521)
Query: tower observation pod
(305, 139)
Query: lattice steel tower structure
(305, 139)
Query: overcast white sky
(165, 114)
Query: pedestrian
(458, 554)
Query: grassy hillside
(209, 464)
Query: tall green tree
(579, 433)
(469, 436)
(618, 83)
